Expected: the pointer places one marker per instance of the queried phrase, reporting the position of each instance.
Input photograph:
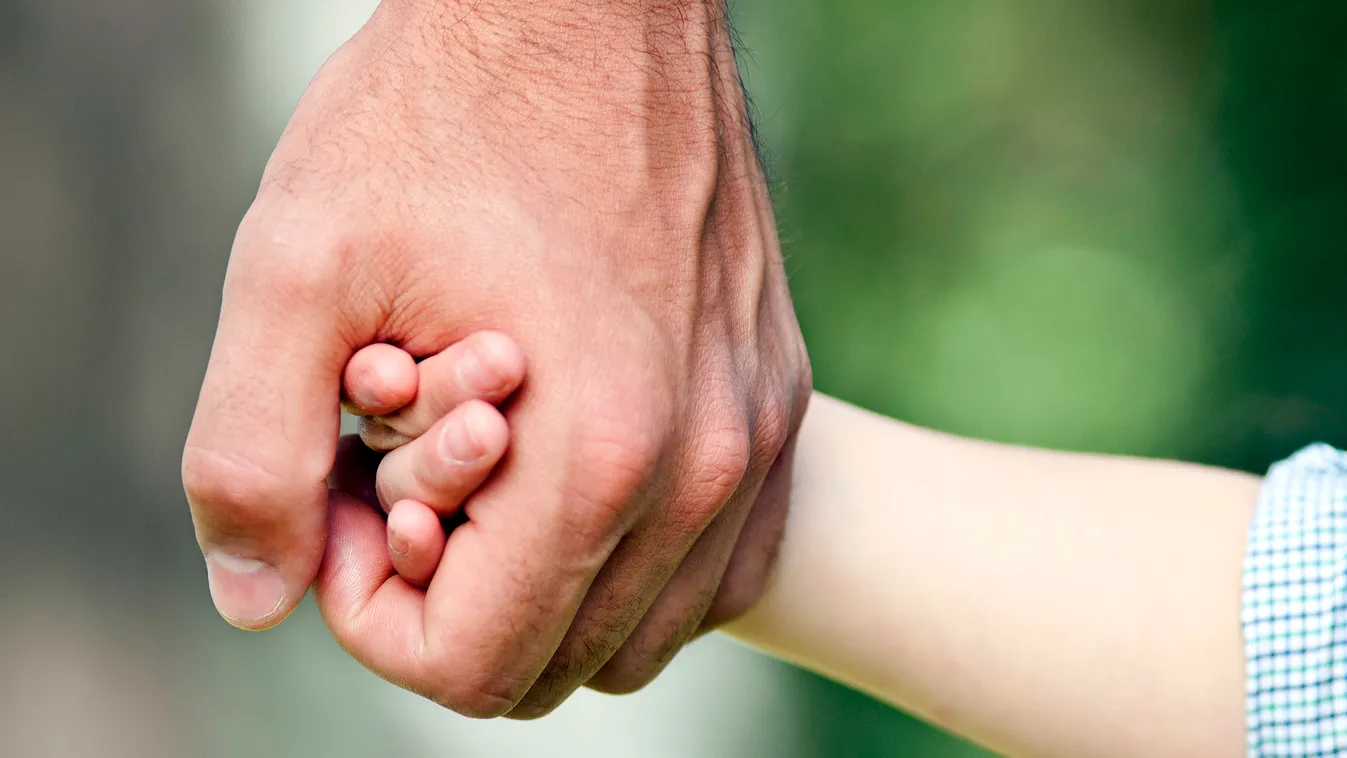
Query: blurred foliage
(1102, 226)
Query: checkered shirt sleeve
(1295, 609)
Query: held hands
(580, 176)
(448, 403)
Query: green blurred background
(1101, 226)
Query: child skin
(443, 435)
(1035, 602)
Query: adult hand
(578, 174)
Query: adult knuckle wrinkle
(284, 256)
(804, 379)
(741, 590)
(624, 677)
(725, 458)
(612, 464)
(771, 428)
(229, 484)
(482, 695)
(564, 672)
(732, 606)
(642, 659)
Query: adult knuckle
(713, 473)
(528, 710)
(804, 377)
(558, 682)
(473, 685)
(602, 636)
(642, 659)
(301, 278)
(653, 646)
(789, 360)
(594, 639)
(725, 455)
(474, 677)
(625, 451)
(737, 599)
(280, 250)
(613, 460)
(233, 490)
(772, 427)
(623, 677)
(742, 586)
(553, 688)
(483, 696)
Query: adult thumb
(264, 434)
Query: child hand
(445, 436)
(377, 588)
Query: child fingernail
(489, 364)
(373, 388)
(459, 440)
(476, 374)
(396, 544)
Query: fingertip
(416, 540)
(485, 424)
(248, 593)
(444, 467)
(405, 523)
(379, 379)
(502, 356)
(261, 535)
(486, 366)
(474, 434)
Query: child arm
(1038, 603)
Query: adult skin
(578, 174)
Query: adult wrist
(582, 51)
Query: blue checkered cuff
(1295, 609)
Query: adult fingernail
(460, 441)
(245, 591)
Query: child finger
(379, 379)
(485, 366)
(415, 541)
(451, 460)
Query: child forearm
(1038, 603)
